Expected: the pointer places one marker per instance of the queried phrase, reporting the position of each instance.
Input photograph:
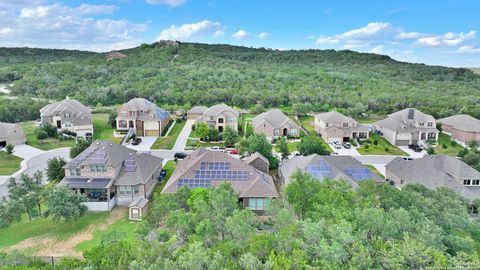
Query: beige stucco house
(408, 126)
(463, 128)
(69, 114)
(334, 126)
(11, 134)
(275, 123)
(204, 168)
(146, 118)
(219, 117)
(110, 174)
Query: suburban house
(11, 134)
(408, 126)
(69, 114)
(434, 172)
(275, 123)
(205, 168)
(334, 126)
(259, 162)
(219, 117)
(143, 116)
(110, 174)
(331, 167)
(463, 128)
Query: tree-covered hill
(189, 74)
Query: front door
(59, 124)
(285, 132)
(220, 129)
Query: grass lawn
(169, 141)
(198, 143)
(292, 147)
(102, 130)
(9, 163)
(382, 148)
(371, 119)
(169, 167)
(61, 230)
(308, 122)
(47, 144)
(444, 139)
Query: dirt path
(50, 246)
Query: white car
(217, 149)
(337, 145)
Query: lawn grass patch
(308, 122)
(102, 129)
(382, 148)
(9, 163)
(450, 150)
(47, 144)
(169, 141)
(197, 143)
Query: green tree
(202, 130)
(79, 147)
(283, 147)
(63, 203)
(259, 143)
(9, 149)
(300, 192)
(213, 134)
(311, 145)
(55, 171)
(230, 137)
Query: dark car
(347, 145)
(415, 147)
(162, 174)
(180, 155)
(136, 141)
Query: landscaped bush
(366, 146)
(167, 127)
(387, 149)
(41, 134)
(444, 146)
(375, 142)
(70, 133)
(121, 131)
(9, 148)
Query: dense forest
(188, 74)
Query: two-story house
(219, 117)
(275, 123)
(143, 116)
(110, 174)
(69, 114)
(408, 126)
(334, 126)
(462, 128)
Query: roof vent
(411, 113)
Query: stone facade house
(219, 117)
(462, 128)
(408, 126)
(434, 172)
(110, 174)
(334, 126)
(205, 168)
(275, 123)
(69, 114)
(146, 118)
(195, 112)
(11, 134)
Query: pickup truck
(415, 147)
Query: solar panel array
(99, 157)
(215, 170)
(82, 156)
(320, 170)
(359, 174)
(162, 114)
(129, 164)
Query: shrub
(41, 134)
(9, 148)
(70, 133)
(366, 146)
(375, 142)
(387, 149)
(453, 143)
(167, 127)
(444, 146)
(430, 151)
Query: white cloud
(378, 49)
(218, 33)
(468, 49)
(241, 34)
(264, 35)
(447, 40)
(367, 31)
(358, 37)
(30, 23)
(191, 30)
(171, 3)
(408, 35)
(327, 40)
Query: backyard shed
(138, 209)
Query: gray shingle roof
(338, 164)
(219, 108)
(151, 109)
(197, 109)
(399, 121)
(73, 105)
(437, 171)
(274, 117)
(139, 202)
(332, 116)
(462, 122)
(256, 156)
(256, 184)
(5, 128)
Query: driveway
(378, 161)
(182, 138)
(26, 151)
(145, 145)
(412, 153)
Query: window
(125, 190)
(231, 120)
(432, 135)
(467, 182)
(345, 124)
(68, 124)
(220, 120)
(294, 132)
(422, 124)
(430, 124)
(276, 132)
(75, 171)
(67, 115)
(257, 203)
(98, 168)
(475, 182)
(326, 125)
(123, 114)
(122, 124)
(136, 189)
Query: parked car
(217, 149)
(162, 174)
(136, 141)
(88, 136)
(180, 155)
(337, 145)
(234, 152)
(415, 147)
(347, 145)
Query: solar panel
(320, 170)
(359, 174)
(161, 113)
(193, 183)
(130, 168)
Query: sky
(436, 32)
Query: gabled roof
(333, 117)
(151, 110)
(219, 108)
(72, 105)
(274, 117)
(132, 168)
(336, 167)
(437, 171)
(256, 156)
(197, 109)
(400, 121)
(462, 122)
(204, 168)
(139, 202)
(6, 128)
